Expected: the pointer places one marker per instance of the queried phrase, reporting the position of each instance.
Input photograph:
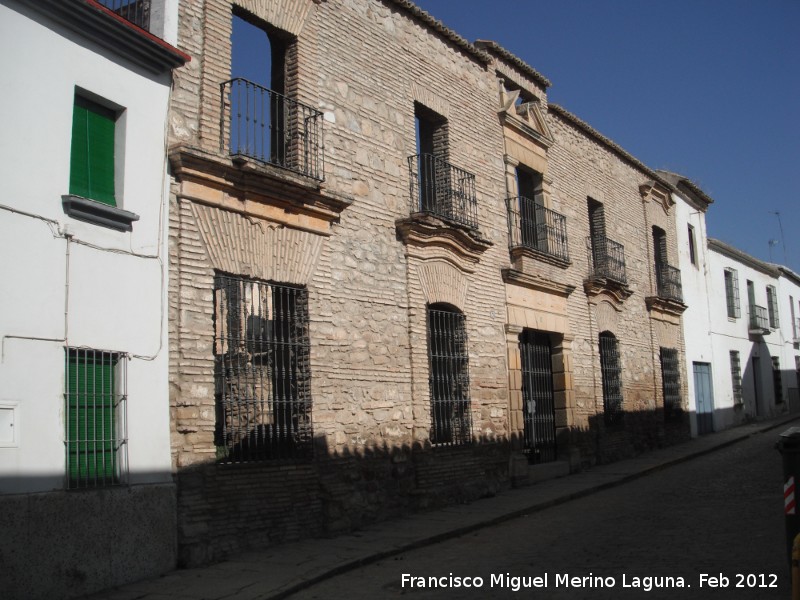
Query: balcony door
(533, 224)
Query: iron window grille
(759, 318)
(772, 307)
(262, 371)
(443, 190)
(732, 293)
(451, 422)
(531, 225)
(671, 383)
(95, 431)
(537, 396)
(612, 379)
(669, 282)
(736, 377)
(608, 259)
(259, 123)
(135, 11)
(777, 380)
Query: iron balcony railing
(266, 126)
(669, 282)
(531, 225)
(135, 11)
(443, 190)
(759, 317)
(608, 259)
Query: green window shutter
(92, 155)
(91, 418)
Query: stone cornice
(255, 188)
(536, 282)
(665, 306)
(422, 230)
(525, 251)
(658, 193)
(511, 120)
(597, 286)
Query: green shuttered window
(94, 402)
(92, 156)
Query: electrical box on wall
(8, 425)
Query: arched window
(612, 378)
(449, 376)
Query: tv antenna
(783, 241)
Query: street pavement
(289, 569)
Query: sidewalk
(280, 571)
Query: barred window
(612, 379)
(262, 372)
(777, 380)
(736, 377)
(772, 307)
(95, 395)
(451, 423)
(732, 293)
(671, 383)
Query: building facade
(397, 276)
(753, 337)
(85, 474)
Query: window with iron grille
(736, 377)
(612, 379)
(777, 380)
(262, 372)
(95, 438)
(671, 383)
(732, 293)
(451, 423)
(772, 307)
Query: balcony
(442, 190)
(532, 226)
(135, 11)
(608, 260)
(260, 124)
(759, 320)
(669, 283)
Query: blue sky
(706, 88)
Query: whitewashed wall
(696, 294)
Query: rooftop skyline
(705, 88)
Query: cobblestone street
(719, 514)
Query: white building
(691, 204)
(747, 306)
(85, 469)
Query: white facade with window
(83, 326)
(752, 337)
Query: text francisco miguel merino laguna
(562, 580)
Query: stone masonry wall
(364, 64)
(583, 168)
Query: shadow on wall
(764, 391)
(65, 544)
